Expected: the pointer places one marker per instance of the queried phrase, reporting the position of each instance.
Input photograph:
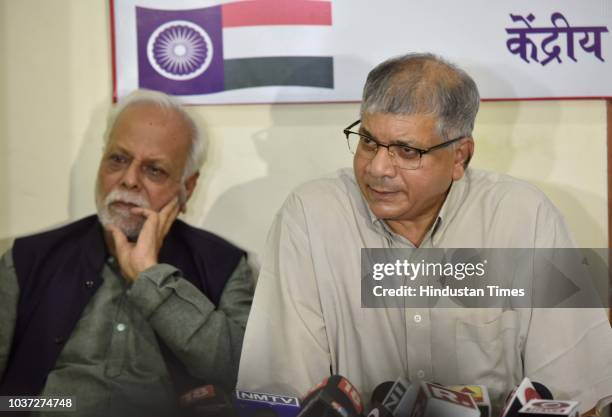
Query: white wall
(55, 90)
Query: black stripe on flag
(287, 71)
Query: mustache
(381, 184)
(126, 197)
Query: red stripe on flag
(276, 12)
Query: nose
(131, 177)
(382, 165)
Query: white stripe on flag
(258, 41)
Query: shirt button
(417, 318)
(421, 374)
(121, 327)
(89, 284)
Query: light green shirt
(112, 363)
(308, 318)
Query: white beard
(130, 224)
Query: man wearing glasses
(411, 187)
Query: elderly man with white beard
(130, 308)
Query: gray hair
(424, 84)
(199, 144)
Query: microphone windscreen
(335, 395)
(207, 400)
(380, 392)
(380, 411)
(544, 392)
(604, 406)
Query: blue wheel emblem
(179, 50)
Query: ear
(189, 184)
(463, 153)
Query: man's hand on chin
(135, 257)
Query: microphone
(380, 392)
(401, 398)
(377, 409)
(550, 408)
(542, 390)
(480, 394)
(522, 394)
(434, 400)
(334, 396)
(380, 410)
(603, 406)
(258, 404)
(207, 400)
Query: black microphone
(380, 392)
(335, 396)
(380, 410)
(207, 401)
(542, 390)
(377, 409)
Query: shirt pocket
(488, 353)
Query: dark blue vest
(60, 270)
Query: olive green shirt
(112, 362)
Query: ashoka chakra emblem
(180, 50)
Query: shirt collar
(454, 199)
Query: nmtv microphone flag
(270, 51)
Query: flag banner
(283, 51)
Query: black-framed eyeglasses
(403, 156)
